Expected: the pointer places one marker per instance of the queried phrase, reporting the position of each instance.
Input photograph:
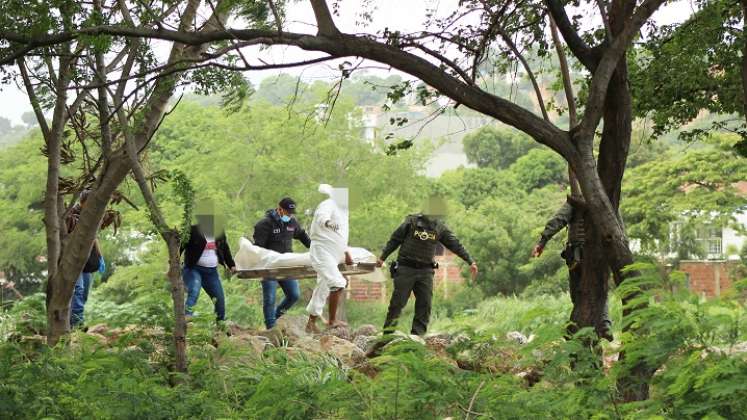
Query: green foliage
(185, 194)
(497, 148)
(684, 69)
(540, 167)
(21, 190)
(691, 342)
(694, 189)
(499, 219)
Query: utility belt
(404, 262)
(572, 254)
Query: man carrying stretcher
(329, 243)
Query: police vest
(421, 240)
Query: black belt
(417, 264)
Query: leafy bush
(691, 343)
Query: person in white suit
(329, 244)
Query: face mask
(285, 218)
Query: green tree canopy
(538, 168)
(696, 187)
(496, 148)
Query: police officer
(417, 239)
(569, 216)
(276, 231)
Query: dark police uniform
(417, 238)
(573, 252)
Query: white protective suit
(328, 246)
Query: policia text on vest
(417, 239)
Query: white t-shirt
(209, 257)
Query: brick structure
(360, 290)
(448, 273)
(708, 278)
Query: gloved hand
(102, 265)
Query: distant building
(710, 274)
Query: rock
(365, 343)
(99, 337)
(339, 331)
(274, 336)
(399, 336)
(437, 344)
(344, 350)
(739, 348)
(366, 330)
(517, 337)
(257, 343)
(233, 328)
(734, 350)
(133, 348)
(291, 327)
(36, 340)
(101, 329)
(153, 331)
(460, 338)
(308, 344)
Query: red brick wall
(365, 291)
(449, 271)
(708, 278)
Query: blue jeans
(292, 294)
(80, 297)
(196, 278)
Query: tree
(5, 126)
(81, 63)
(708, 51)
(496, 148)
(29, 119)
(539, 168)
(694, 189)
(446, 57)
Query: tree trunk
(177, 295)
(589, 293)
(744, 56)
(58, 316)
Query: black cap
(288, 205)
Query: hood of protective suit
(335, 210)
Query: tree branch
(40, 118)
(344, 45)
(325, 24)
(530, 73)
(607, 65)
(579, 48)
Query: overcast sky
(404, 15)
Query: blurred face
(206, 224)
(435, 206)
(341, 197)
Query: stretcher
(254, 262)
(303, 271)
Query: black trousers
(418, 282)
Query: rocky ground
(350, 347)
